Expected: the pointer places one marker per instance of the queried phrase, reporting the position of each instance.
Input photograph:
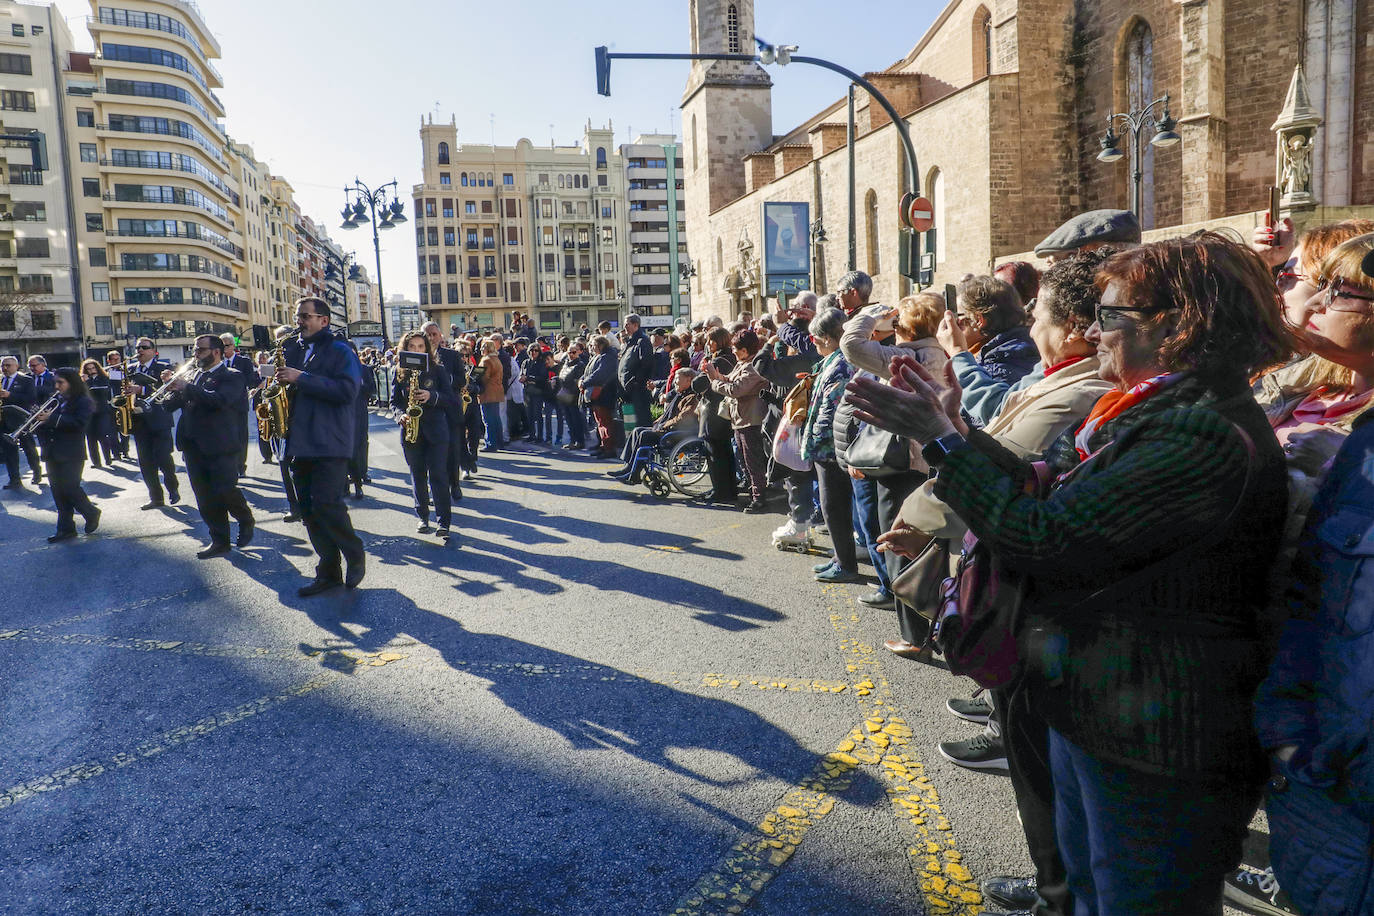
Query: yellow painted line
(733, 883)
(67, 777)
(947, 887)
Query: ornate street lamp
(1136, 121)
(359, 202)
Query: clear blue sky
(324, 92)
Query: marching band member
(114, 368)
(100, 435)
(63, 431)
(456, 367)
(427, 457)
(325, 376)
(244, 366)
(357, 464)
(17, 390)
(153, 429)
(211, 404)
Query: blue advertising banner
(786, 246)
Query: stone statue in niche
(1297, 166)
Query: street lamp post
(1135, 122)
(359, 201)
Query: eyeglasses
(1113, 314)
(1331, 301)
(144, 347)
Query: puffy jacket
(601, 374)
(818, 436)
(1320, 691)
(742, 389)
(323, 417)
(1008, 356)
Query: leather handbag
(878, 453)
(979, 624)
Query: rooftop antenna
(552, 144)
(493, 130)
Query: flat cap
(1095, 226)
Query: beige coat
(1028, 423)
(742, 405)
(865, 353)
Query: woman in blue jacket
(1315, 712)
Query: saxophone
(274, 407)
(124, 405)
(414, 411)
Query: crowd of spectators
(1162, 446)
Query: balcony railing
(179, 233)
(584, 272)
(29, 178)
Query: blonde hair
(1346, 261)
(919, 315)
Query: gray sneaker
(971, 709)
(981, 752)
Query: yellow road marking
(947, 887)
(67, 777)
(759, 855)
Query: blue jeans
(534, 409)
(491, 416)
(1136, 844)
(866, 527)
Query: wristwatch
(934, 452)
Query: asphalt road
(592, 702)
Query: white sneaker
(790, 530)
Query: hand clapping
(912, 404)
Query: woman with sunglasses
(1145, 556)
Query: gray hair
(858, 281)
(39, 357)
(632, 318)
(424, 328)
(828, 301)
(828, 325)
(601, 343)
(685, 372)
(226, 338)
(714, 321)
(806, 299)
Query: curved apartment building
(161, 223)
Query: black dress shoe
(456, 494)
(93, 522)
(356, 571)
(61, 536)
(174, 497)
(357, 491)
(37, 478)
(155, 504)
(367, 479)
(291, 517)
(245, 537)
(318, 586)
(214, 550)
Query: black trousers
(320, 485)
(577, 423)
(837, 508)
(214, 480)
(357, 465)
(10, 453)
(1026, 738)
(428, 462)
(155, 455)
(470, 440)
(288, 484)
(454, 452)
(724, 484)
(244, 436)
(641, 402)
(65, 479)
(800, 504)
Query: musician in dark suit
(324, 376)
(244, 366)
(453, 363)
(427, 458)
(152, 427)
(114, 368)
(211, 402)
(357, 465)
(63, 431)
(44, 387)
(18, 391)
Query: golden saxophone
(274, 406)
(411, 423)
(124, 405)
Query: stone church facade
(1006, 102)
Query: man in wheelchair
(679, 419)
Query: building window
(560, 181)
(43, 319)
(16, 100)
(452, 291)
(16, 63)
(31, 248)
(469, 208)
(982, 43)
(871, 231)
(732, 29)
(100, 292)
(18, 32)
(601, 181)
(85, 117)
(601, 157)
(90, 187)
(512, 208)
(443, 178)
(448, 209)
(95, 222)
(30, 211)
(96, 256)
(463, 180)
(104, 326)
(424, 294)
(88, 152)
(608, 235)
(443, 154)
(508, 179)
(429, 207)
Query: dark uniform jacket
(210, 407)
(452, 362)
(23, 393)
(636, 362)
(64, 434)
(434, 424)
(323, 417)
(45, 385)
(155, 418)
(245, 367)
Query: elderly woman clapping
(1174, 488)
